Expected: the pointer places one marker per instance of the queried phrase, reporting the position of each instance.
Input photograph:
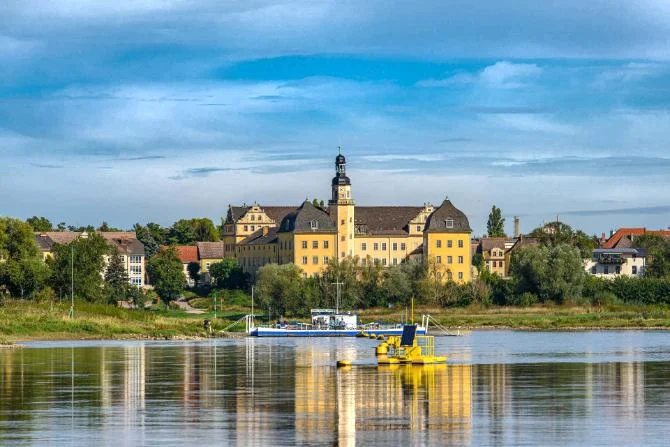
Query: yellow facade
(386, 250)
(449, 256)
(311, 252)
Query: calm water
(500, 388)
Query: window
(460, 275)
(304, 260)
(314, 224)
(304, 244)
(123, 258)
(383, 246)
(460, 243)
(449, 223)
(594, 270)
(395, 261)
(136, 281)
(253, 217)
(403, 246)
(253, 228)
(449, 243)
(342, 222)
(207, 264)
(617, 269)
(438, 243)
(325, 244)
(315, 260)
(383, 261)
(450, 260)
(460, 259)
(438, 259)
(375, 246)
(606, 270)
(395, 246)
(634, 270)
(134, 259)
(246, 227)
(326, 260)
(315, 244)
(364, 246)
(418, 228)
(364, 261)
(449, 276)
(136, 269)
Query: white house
(614, 262)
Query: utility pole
(337, 296)
(72, 279)
(215, 305)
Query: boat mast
(337, 296)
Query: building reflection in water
(367, 404)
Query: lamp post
(72, 279)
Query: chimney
(602, 237)
(517, 226)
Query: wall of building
(450, 262)
(389, 250)
(313, 251)
(609, 271)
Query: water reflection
(288, 392)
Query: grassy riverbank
(27, 320)
(24, 320)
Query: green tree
(396, 286)
(194, 271)
(658, 252)
(87, 255)
(496, 223)
(39, 223)
(189, 231)
(166, 274)
(104, 227)
(158, 233)
(143, 235)
(551, 273)
(116, 279)
(22, 271)
(346, 272)
(227, 274)
(279, 289)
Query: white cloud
(506, 74)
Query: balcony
(610, 259)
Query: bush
(45, 295)
(527, 299)
(605, 298)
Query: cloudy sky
(148, 110)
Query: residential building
(311, 237)
(187, 254)
(614, 262)
(495, 255)
(208, 254)
(126, 244)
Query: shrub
(605, 298)
(527, 299)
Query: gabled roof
(489, 243)
(210, 250)
(187, 253)
(276, 213)
(385, 219)
(614, 240)
(258, 238)
(125, 242)
(447, 212)
(307, 218)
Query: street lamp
(72, 279)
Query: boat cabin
(329, 318)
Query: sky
(148, 110)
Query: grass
(28, 320)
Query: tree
(158, 233)
(557, 233)
(496, 223)
(116, 279)
(279, 289)
(658, 252)
(105, 227)
(143, 235)
(39, 223)
(166, 274)
(189, 231)
(551, 273)
(87, 255)
(227, 274)
(22, 271)
(194, 271)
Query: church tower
(341, 207)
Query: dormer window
(449, 223)
(314, 224)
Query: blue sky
(137, 111)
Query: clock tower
(341, 207)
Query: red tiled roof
(613, 241)
(187, 253)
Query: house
(208, 254)
(614, 262)
(126, 244)
(187, 254)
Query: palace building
(311, 236)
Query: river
(498, 388)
